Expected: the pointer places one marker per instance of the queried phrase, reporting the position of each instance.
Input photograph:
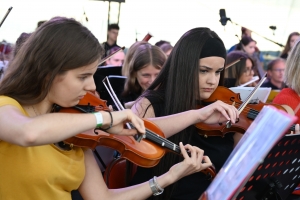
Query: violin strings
(162, 140)
(149, 134)
(153, 137)
(253, 113)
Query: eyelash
(205, 71)
(83, 78)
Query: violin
(146, 153)
(246, 116)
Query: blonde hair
(292, 70)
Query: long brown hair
(236, 70)
(144, 55)
(58, 45)
(287, 46)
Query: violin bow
(244, 104)
(8, 11)
(233, 63)
(118, 104)
(109, 56)
(209, 171)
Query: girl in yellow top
(56, 66)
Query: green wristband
(99, 119)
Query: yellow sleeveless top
(39, 172)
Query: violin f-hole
(233, 100)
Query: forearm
(56, 127)
(141, 191)
(48, 128)
(173, 124)
(94, 188)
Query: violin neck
(163, 142)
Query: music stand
(278, 175)
(101, 73)
(109, 70)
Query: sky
(164, 19)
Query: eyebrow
(209, 68)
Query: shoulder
(266, 83)
(5, 100)
(287, 92)
(143, 108)
(284, 56)
(8, 101)
(288, 97)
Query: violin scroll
(147, 37)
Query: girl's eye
(82, 78)
(218, 72)
(203, 71)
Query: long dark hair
(287, 46)
(58, 45)
(177, 85)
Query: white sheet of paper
(250, 152)
(262, 93)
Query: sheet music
(250, 152)
(262, 93)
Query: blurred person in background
(117, 59)
(275, 72)
(291, 41)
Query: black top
(268, 83)
(284, 56)
(229, 82)
(191, 187)
(107, 47)
(130, 97)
